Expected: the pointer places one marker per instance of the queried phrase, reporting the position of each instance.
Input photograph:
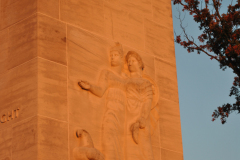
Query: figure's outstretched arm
(98, 89)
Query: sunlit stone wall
(48, 46)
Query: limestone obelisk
(67, 86)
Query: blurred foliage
(220, 40)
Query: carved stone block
(49, 7)
(13, 11)
(3, 50)
(6, 143)
(22, 42)
(88, 80)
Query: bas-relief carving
(139, 93)
(86, 150)
(126, 125)
(114, 118)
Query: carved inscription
(10, 115)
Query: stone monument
(88, 80)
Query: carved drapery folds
(128, 121)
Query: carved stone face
(116, 58)
(133, 65)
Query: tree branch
(198, 48)
(217, 11)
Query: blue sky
(203, 86)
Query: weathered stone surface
(37, 36)
(88, 53)
(126, 27)
(51, 39)
(88, 15)
(52, 139)
(40, 138)
(1, 18)
(170, 125)
(49, 7)
(166, 78)
(159, 41)
(170, 155)
(157, 153)
(13, 11)
(64, 70)
(6, 144)
(52, 90)
(3, 50)
(155, 138)
(22, 42)
(85, 108)
(25, 139)
(18, 89)
(162, 13)
(142, 7)
(40, 84)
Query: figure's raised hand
(84, 85)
